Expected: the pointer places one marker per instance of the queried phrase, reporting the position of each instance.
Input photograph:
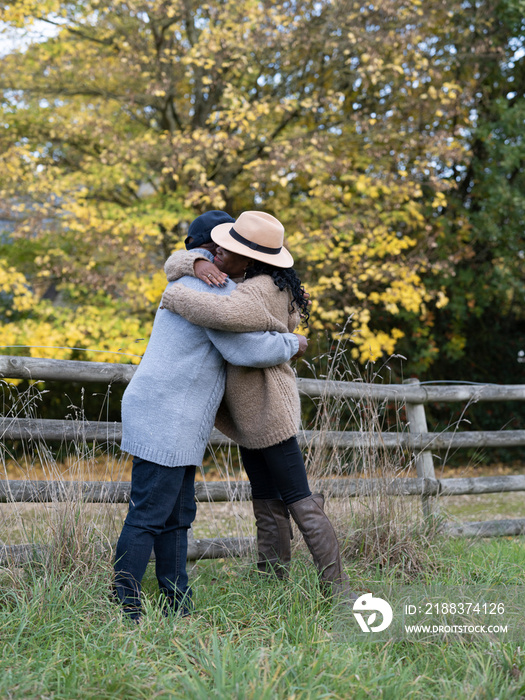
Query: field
(62, 637)
(249, 638)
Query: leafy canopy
(352, 123)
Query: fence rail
(26, 491)
(417, 439)
(47, 429)
(217, 548)
(41, 369)
(207, 548)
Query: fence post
(417, 423)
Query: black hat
(199, 230)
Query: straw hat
(256, 235)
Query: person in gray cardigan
(168, 411)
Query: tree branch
(77, 32)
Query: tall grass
(67, 529)
(251, 638)
(61, 636)
(378, 530)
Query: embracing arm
(181, 262)
(257, 349)
(242, 311)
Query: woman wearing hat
(261, 407)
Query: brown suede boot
(321, 540)
(274, 532)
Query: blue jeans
(161, 510)
(277, 472)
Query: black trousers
(277, 472)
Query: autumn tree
(352, 123)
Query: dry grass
(376, 530)
(252, 637)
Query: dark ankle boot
(321, 540)
(274, 532)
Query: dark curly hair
(284, 278)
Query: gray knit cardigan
(169, 407)
(261, 406)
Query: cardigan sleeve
(180, 263)
(242, 311)
(255, 349)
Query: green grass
(61, 637)
(487, 506)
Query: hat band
(254, 246)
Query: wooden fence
(413, 395)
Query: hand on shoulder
(209, 272)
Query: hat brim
(221, 235)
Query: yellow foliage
(371, 346)
(171, 104)
(151, 289)
(15, 284)
(88, 333)
(442, 299)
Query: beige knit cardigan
(261, 407)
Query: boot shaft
(274, 533)
(320, 537)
